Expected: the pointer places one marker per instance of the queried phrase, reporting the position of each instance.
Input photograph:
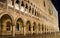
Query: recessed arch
(22, 3)
(26, 6)
(32, 10)
(29, 8)
(34, 26)
(20, 19)
(28, 26)
(6, 22)
(19, 26)
(6, 16)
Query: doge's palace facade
(27, 17)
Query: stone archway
(19, 26)
(6, 25)
(34, 28)
(28, 27)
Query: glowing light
(16, 6)
(22, 9)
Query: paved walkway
(53, 35)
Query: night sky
(57, 6)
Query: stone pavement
(53, 35)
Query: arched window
(29, 8)
(26, 6)
(22, 4)
(28, 27)
(34, 26)
(32, 10)
(44, 3)
(35, 12)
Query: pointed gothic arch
(6, 23)
(19, 26)
(28, 27)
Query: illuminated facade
(27, 17)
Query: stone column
(32, 29)
(41, 29)
(49, 29)
(34, 11)
(37, 28)
(46, 29)
(13, 28)
(24, 28)
(4, 28)
(31, 9)
(14, 31)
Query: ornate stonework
(27, 17)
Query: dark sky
(57, 5)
